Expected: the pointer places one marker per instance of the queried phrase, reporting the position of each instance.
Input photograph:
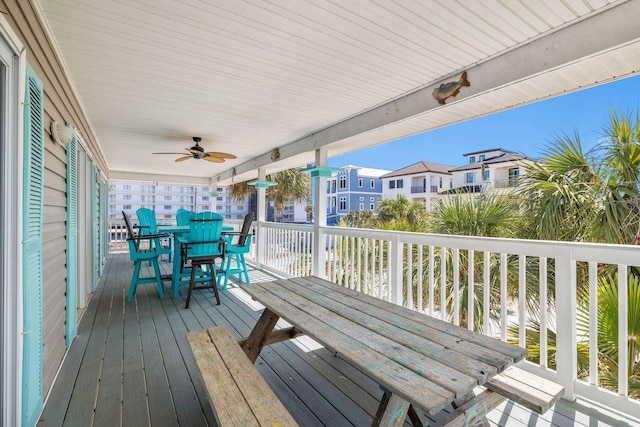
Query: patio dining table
(176, 277)
(418, 361)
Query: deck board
(131, 364)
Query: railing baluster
(365, 259)
(593, 323)
(443, 283)
(522, 293)
(408, 276)
(358, 263)
(485, 291)
(420, 273)
(471, 292)
(503, 296)
(456, 286)
(623, 330)
(431, 280)
(543, 313)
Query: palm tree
(587, 196)
(401, 215)
(359, 219)
(292, 184)
(489, 215)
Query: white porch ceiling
(251, 76)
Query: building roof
(487, 150)
(502, 158)
(419, 167)
(368, 172)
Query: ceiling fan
(197, 152)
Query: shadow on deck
(131, 365)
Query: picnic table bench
(421, 363)
(238, 394)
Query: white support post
(318, 267)
(395, 284)
(566, 302)
(261, 206)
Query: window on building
(400, 183)
(392, 184)
(167, 207)
(343, 203)
(472, 159)
(239, 207)
(167, 197)
(205, 189)
(167, 188)
(450, 183)
(343, 182)
(333, 186)
(372, 184)
(333, 202)
(126, 207)
(372, 207)
(514, 173)
(205, 207)
(219, 198)
(126, 197)
(481, 158)
(371, 199)
(361, 198)
(227, 209)
(440, 182)
(360, 182)
(168, 216)
(468, 178)
(361, 206)
(126, 187)
(486, 175)
(205, 198)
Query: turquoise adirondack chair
(235, 252)
(203, 245)
(138, 254)
(183, 216)
(148, 225)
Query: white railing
(541, 294)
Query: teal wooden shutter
(72, 239)
(32, 373)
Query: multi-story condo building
(165, 198)
(495, 168)
(354, 188)
(419, 182)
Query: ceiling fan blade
(182, 159)
(221, 155)
(167, 153)
(213, 159)
(191, 150)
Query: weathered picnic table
(419, 362)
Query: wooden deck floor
(131, 365)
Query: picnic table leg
(259, 334)
(391, 412)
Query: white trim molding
(13, 62)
